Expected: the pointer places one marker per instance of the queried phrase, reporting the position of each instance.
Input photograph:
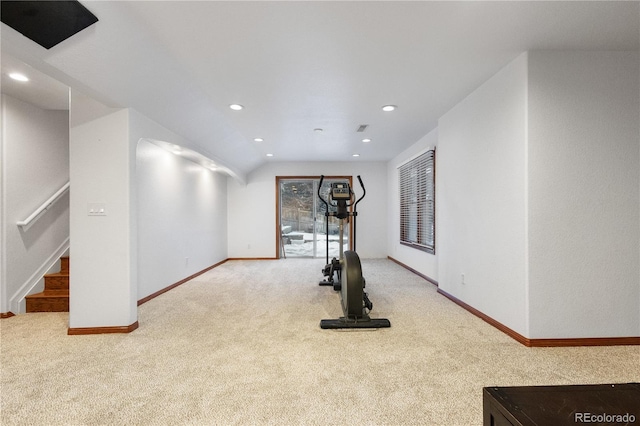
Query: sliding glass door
(302, 218)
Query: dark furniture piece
(573, 405)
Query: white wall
(182, 217)
(160, 210)
(538, 185)
(481, 198)
(103, 248)
(35, 164)
(252, 207)
(423, 262)
(584, 185)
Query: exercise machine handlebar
(355, 211)
(326, 222)
(320, 195)
(326, 203)
(364, 192)
(354, 214)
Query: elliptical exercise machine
(347, 269)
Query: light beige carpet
(241, 344)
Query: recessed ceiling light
(388, 108)
(269, 155)
(18, 76)
(356, 155)
(258, 140)
(318, 130)
(365, 140)
(236, 107)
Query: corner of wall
(584, 194)
(4, 305)
(481, 202)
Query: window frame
(417, 199)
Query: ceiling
(297, 66)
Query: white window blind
(417, 202)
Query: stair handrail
(25, 224)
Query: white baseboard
(17, 302)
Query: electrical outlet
(462, 279)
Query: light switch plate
(96, 209)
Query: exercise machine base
(332, 324)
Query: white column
(103, 210)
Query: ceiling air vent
(362, 128)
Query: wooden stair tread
(55, 297)
(57, 274)
(49, 293)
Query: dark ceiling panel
(46, 22)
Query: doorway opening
(300, 218)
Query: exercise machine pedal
(340, 323)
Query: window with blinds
(417, 202)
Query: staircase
(55, 297)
